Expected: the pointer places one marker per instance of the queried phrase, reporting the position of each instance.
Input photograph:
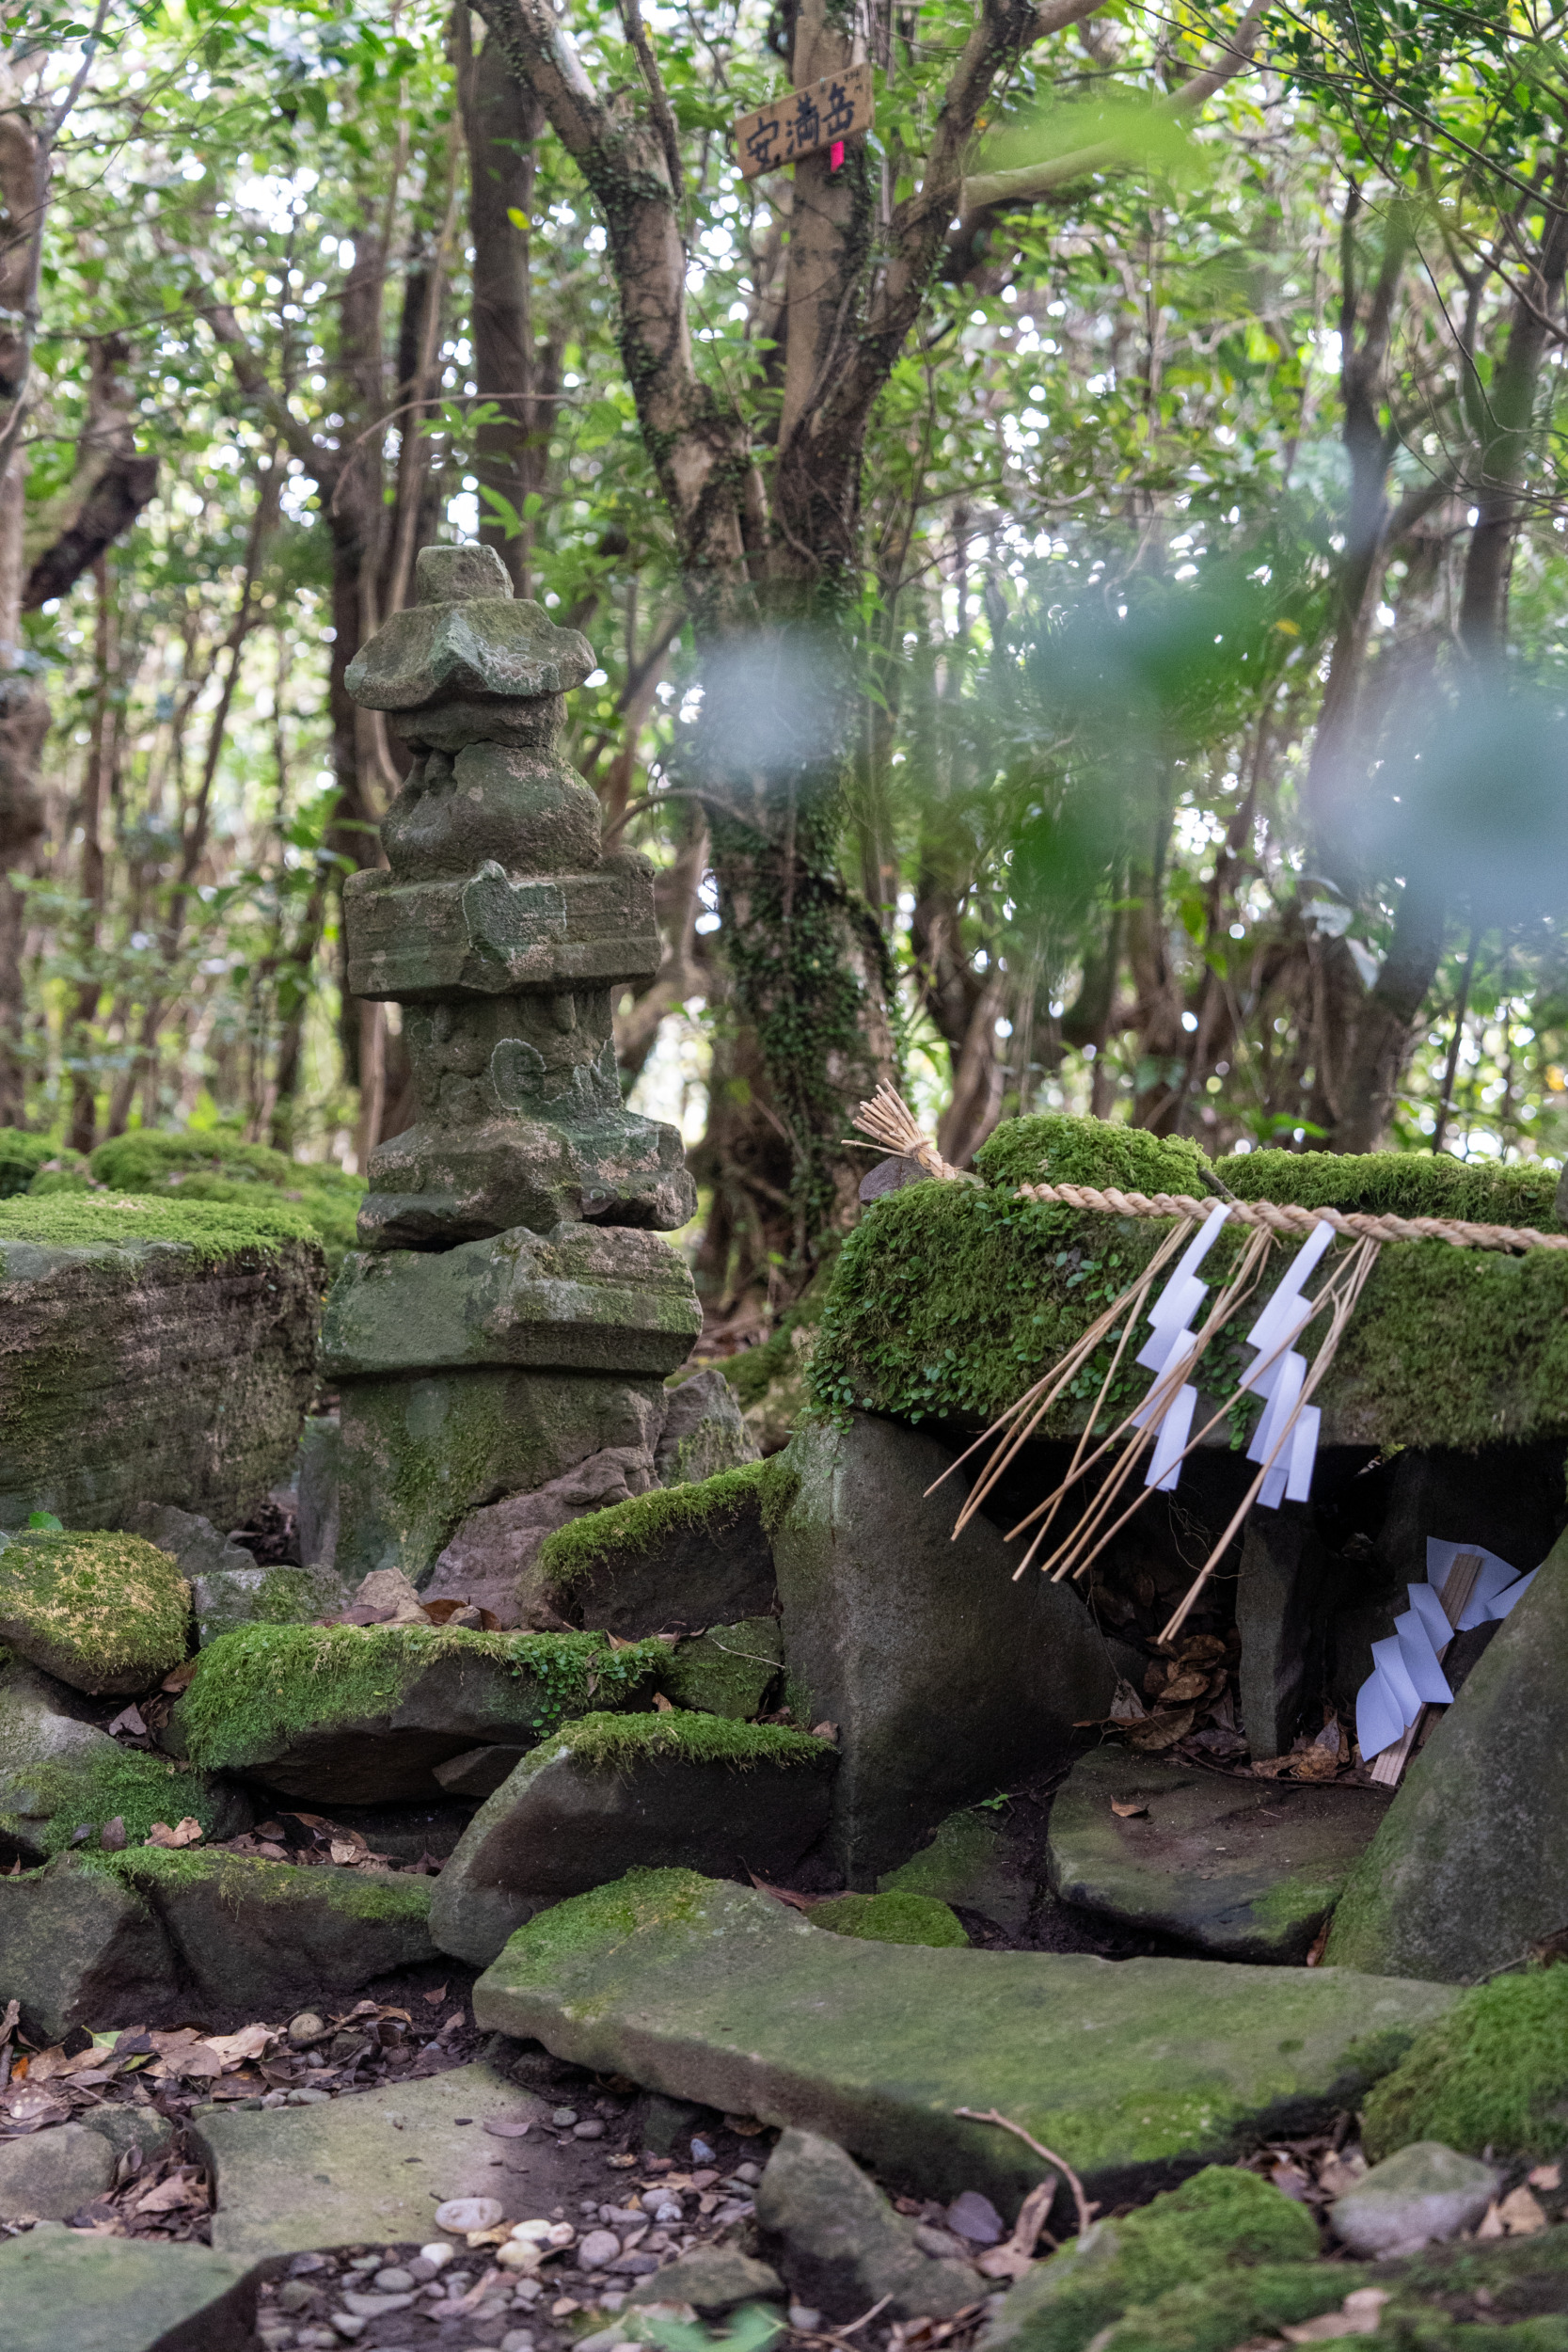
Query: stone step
(1135, 2072)
(69, 2291)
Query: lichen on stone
(897, 1917)
(1492, 2072)
(729, 1670)
(266, 1682)
(615, 1743)
(104, 1612)
(69, 1793)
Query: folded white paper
(1164, 1471)
(1420, 1658)
(1407, 1672)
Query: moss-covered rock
(101, 1611)
(360, 1714)
(1490, 2074)
(73, 2291)
(1138, 2071)
(949, 1300)
(730, 1670)
(610, 1794)
(1219, 2220)
(893, 1919)
(59, 1776)
(216, 1166)
(22, 1154)
(972, 1862)
(1050, 1148)
(227, 1588)
(150, 1348)
(674, 1560)
(79, 1948)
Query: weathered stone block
(69, 2291)
(575, 1299)
(612, 1793)
(418, 1454)
(673, 1561)
(943, 1674)
(843, 2248)
(703, 1432)
(147, 1362)
(485, 935)
(228, 1589)
(103, 1612)
(490, 1561)
(729, 1670)
(1135, 2071)
(53, 2172)
(79, 1948)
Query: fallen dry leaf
(1521, 2214)
(235, 2049)
(1545, 2176)
(170, 2194)
(1160, 1731)
(1315, 1764)
(129, 1721)
(1358, 2315)
(783, 1894)
(1491, 2223)
(439, 1995)
(504, 2128)
(1182, 1687)
(1127, 1707)
(661, 1705)
(1128, 1809)
(185, 1833)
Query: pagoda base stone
(435, 1184)
(419, 1454)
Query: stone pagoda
(512, 1311)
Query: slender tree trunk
(23, 711)
(502, 119)
(97, 791)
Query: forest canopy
(1078, 573)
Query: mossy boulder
(703, 1432)
(100, 1610)
(80, 1948)
(895, 1918)
(360, 1714)
(1219, 2220)
(227, 1588)
(610, 1794)
(1469, 1867)
(151, 1348)
(974, 1862)
(1138, 2071)
(21, 1156)
(73, 2291)
(674, 1560)
(948, 1299)
(214, 1165)
(1491, 2074)
(60, 1775)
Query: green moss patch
(949, 1300)
(210, 1231)
(1219, 2220)
(242, 1879)
(729, 1670)
(627, 1530)
(216, 1168)
(135, 1788)
(1052, 1148)
(104, 1612)
(619, 1742)
(266, 1683)
(601, 1920)
(1397, 1184)
(895, 1919)
(22, 1154)
(1492, 2072)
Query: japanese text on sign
(830, 111)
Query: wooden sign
(826, 114)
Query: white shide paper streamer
(1407, 1673)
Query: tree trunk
(23, 711)
(502, 119)
(97, 791)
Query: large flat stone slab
(367, 2169)
(944, 1676)
(1244, 1870)
(576, 1299)
(612, 1793)
(1470, 1866)
(150, 1348)
(1135, 2072)
(68, 2291)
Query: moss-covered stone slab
(227, 1588)
(1490, 2077)
(79, 1948)
(576, 1299)
(729, 1670)
(152, 1346)
(69, 2291)
(675, 1560)
(100, 1610)
(893, 1919)
(1470, 1866)
(611, 1794)
(1243, 1870)
(1136, 2071)
(944, 1676)
(263, 1938)
(484, 935)
(60, 1777)
(418, 1455)
(54, 2173)
(360, 1714)
(971, 1861)
(949, 1300)
(371, 2169)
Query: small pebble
(306, 2027)
(593, 2129)
(563, 2118)
(303, 2264)
(517, 2340)
(463, 2214)
(365, 2261)
(528, 2291)
(307, 2098)
(296, 2295)
(394, 2281)
(437, 2254)
(804, 2320)
(421, 2268)
(701, 2151)
(598, 2250)
(348, 2324)
(751, 2173)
